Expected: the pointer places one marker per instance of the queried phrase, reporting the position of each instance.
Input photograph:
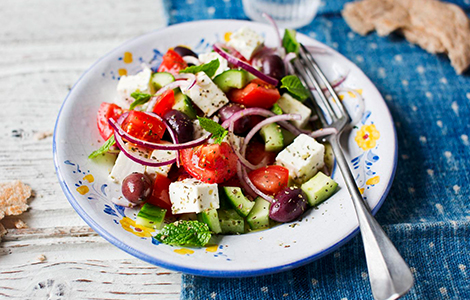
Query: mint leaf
(289, 41)
(210, 68)
(295, 87)
(104, 148)
(277, 109)
(140, 98)
(218, 132)
(185, 233)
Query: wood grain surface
(45, 45)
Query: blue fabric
(427, 213)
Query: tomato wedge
(172, 63)
(144, 127)
(211, 163)
(164, 103)
(257, 93)
(160, 194)
(270, 179)
(105, 112)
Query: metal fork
(390, 276)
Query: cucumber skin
(184, 105)
(258, 218)
(151, 216)
(273, 137)
(211, 218)
(238, 201)
(231, 222)
(225, 81)
(319, 188)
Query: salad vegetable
(216, 143)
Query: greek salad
(216, 143)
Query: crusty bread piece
(13, 197)
(435, 26)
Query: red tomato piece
(211, 163)
(160, 194)
(172, 63)
(256, 153)
(257, 93)
(105, 112)
(270, 179)
(143, 126)
(164, 103)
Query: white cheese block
(193, 196)
(246, 41)
(206, 95)
(129, 84)
(290, 105)
(123, 167)
(208, 57)
(160, 156)
(303, 158)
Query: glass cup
(286, 13)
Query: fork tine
(302, 67)
(311, 61)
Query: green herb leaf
(218, 132)
(277, 109)
(104, 148)
(140, 98)
(289, 41)
(295, 87)
(185, 233)
(210, 68)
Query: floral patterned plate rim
(371, 147)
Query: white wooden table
(45, 45)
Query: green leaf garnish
(277, 109)
(210, 68)
(218, 132)
(140, 98)
(289, 41)
(185, 233)
(104, 148)
(295, 87)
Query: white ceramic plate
(371, 148)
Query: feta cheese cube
(159, 156)
(123, 167)
(246, 41)
(206, 94)
(193, 196)
(303, 158)
(208, 57)
(290, 105)
(129, 84)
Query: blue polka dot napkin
(427, 213)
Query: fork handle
(389, 275)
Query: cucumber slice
(239, 202)
(258, 218)
(161, 79)
(211, 218)
(273, 137)
(288, 137)
(151, 216)
(231, 79)
(231, 221)
(319, 188)
(184, 105)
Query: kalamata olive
(136, 187)
(274, 66)
(242, 124)
(288, 205)
(181, 124)
(183, 51)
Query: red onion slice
(174, 137)
(248, 181)
(138, 159)
(323, 132)
(239, 63)
(276, 29)
(191, 60)
(118, 131)
(173, 85)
